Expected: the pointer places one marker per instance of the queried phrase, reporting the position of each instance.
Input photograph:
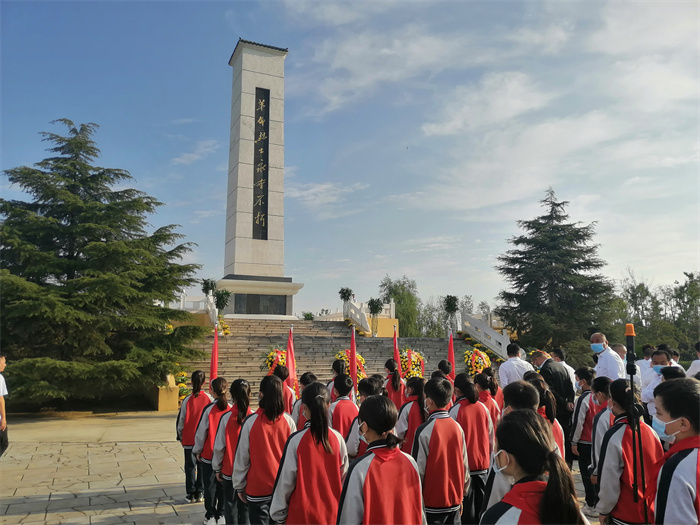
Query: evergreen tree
(555, 296)
(82, 278)
(404, 292)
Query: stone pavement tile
(140, 481)
(68, 502)
(26, 508)
(170, 478)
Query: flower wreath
(476, 360)
(344, 355)
(412, 363)
(273, 358)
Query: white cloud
(327, 200)
(180, 121)
(431, 244)
(202, 149)
(549, 40)
(498, 98)
(339, 13)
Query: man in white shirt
(659, 359)
(621, 350)
(514, 368)
(559, 356)
(694, 367)
(609, 363)
(645, 365)
(3, 418)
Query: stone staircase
(314, 346)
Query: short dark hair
(519, 395)
(439, 390)
(672, 372)
(697, 347)
(681, 398)
(282, 372)
(307, 378)
(585, 373)
(445, 366)
(675, 353)
(664, 346)
(602, 385)
(648, 349)
(558, 352)
(438, 373)
(662, 352)
(343, 384)
(529, 375)
(513, 349)
(369, 386)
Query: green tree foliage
(404, 292)
(555, 294)
(433, 319)
(82, 278)
(450, 303)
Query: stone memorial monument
(254, 253)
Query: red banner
(451, 357)
(214, 363)
(292, 364)
(397, 355)
(353, 358)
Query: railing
(388, 312)
(487, 336)
(197, 303)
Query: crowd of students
(440, 450)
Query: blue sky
(416, 133)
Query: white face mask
(495, 463)
(362, 436)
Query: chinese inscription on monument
(260, 163)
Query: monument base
(257, 296)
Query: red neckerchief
(683, 444)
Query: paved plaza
(107, 469)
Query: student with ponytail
(383, 486)
(475, 420)
(313, 466)
(259, 450)
(204, 450)
(187, 419)
(412, 413)
(305, 380)
(394, 384)
(369, 386)
(339, 367)
(526, 452)
(486, 387)
(496, 390)
(288, 394)
(548, 409)
(235, 510)
(616, 465)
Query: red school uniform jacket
(487, 399)
(615, 472)
(225, 442)
(475, 420)
(410, 418)
(396, 396)
(521, 505)
(382, 487)
(356, 447)
(309, 480)
(188, 417)
(206, 431)
(499, 397)
(584, 412)
(557, 430)
(258, 454)
(289, 398)
(342, 412)
(440, 452)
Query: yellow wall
(385, 328)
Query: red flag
(353, 358)
(451, 358)
(214, 364)
(292, 364)
(397, 355)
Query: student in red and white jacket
(297, 415)
(440, 451)
(383, 486)
(313, 467)
(615, 468)
(675, 489)
(339, 367)
(585, 409)
(525, 451)
(487, 388)
(342, 411)
(412, 413)
(394, 384)
(187, 420)
(600, 390)
(204, 451)
(259, 450)
(548, 408)
(287, 393)
(235, 510)
(475, 420)
(369, 386)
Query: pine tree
(82, 278)
(555, 296)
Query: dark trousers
(235, 511)
(474, 499)
(565, 422)
(439, 518)
(213, 492)
(193, 474)
(4, 442)
(584, 462)
(259, 512)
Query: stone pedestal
(254, 252)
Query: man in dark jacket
(559, 381)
